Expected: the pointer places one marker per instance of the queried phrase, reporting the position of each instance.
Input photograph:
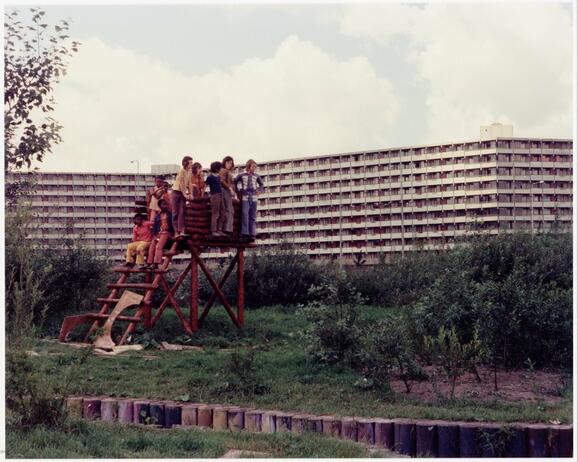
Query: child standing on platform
(197, 181)
(214, 182)
(153, 196)
(249, 185)
(162, 231)
(166, 195)
(181, 193)
(228, 193)
(141, 239)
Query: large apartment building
(368, 203)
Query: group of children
(166, 209)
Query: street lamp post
(532, 183)
(137, 162)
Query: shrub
(389, 349)
(31, 398)
(515, 290)
(281, 277)
(25, 278)
(51, 282)
(241, 378)
(401, 281)
(451, 356)
(335, 331)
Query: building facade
(369, 203)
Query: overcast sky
(274, 81)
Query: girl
(197, 181)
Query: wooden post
(194, 295)
(241, 287)
(147, 307)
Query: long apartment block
(369, 203)
(396, 200)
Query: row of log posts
(422, 438)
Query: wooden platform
(149, 282)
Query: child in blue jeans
(249, 185)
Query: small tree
(35, 58)
(451, 356)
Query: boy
(141, 239)
(228, 193)
(162, 231)
(249, 185)
(214, 182)
(153, 195)
(181, 193)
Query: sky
(153, 83)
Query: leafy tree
(35, 58)
(451, 355)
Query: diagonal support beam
(173, 290)
(215, 287)
(173, 302)
(222, 282)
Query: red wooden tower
(143, 284)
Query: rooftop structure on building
(495, 131)
(165, 169)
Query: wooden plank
(105, 307)
(194, 308)
(132, 285)
(241, 287)
(121, 269)
(131, 327)
(118, 318)
(127, 299)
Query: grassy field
(99, 440)
(292, 381)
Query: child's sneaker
(145, 267)
(129, 264)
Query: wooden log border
(410, 437)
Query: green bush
(451, 356)
(401, 281)
(335, 331)
(50, 282)
(32, 399)
(515, 290)
(387, 348)
(240, 376)
(282, 277)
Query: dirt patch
(513, 386)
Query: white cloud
(116, 106)
(481, 63)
